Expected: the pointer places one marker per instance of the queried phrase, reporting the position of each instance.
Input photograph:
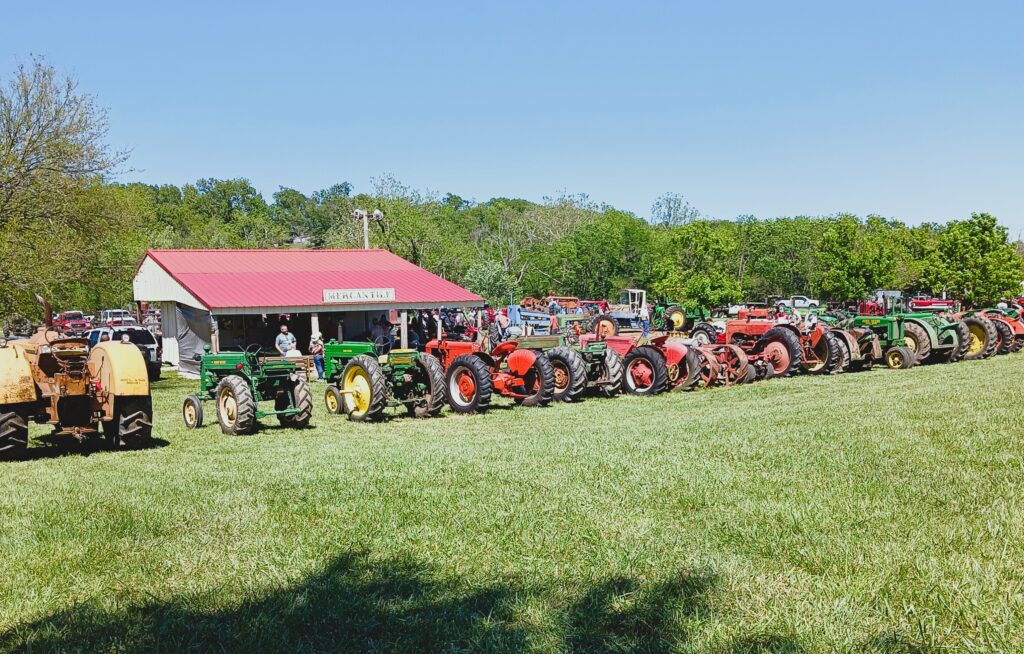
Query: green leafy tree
(975, 260)
(490, 280)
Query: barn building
(229, 299)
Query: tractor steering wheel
(254, 349)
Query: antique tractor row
(79, 391)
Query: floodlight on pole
(360, 214)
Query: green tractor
(578, 368)
(238, 381)
(927, 336)
(363, 382)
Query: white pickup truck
(798, 302)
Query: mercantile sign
(358, 295)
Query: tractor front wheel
(132, 426)
(192, 412)
(469, 384)
(13, 432)
(570, 371)
(364, 389)
(646, 371)
(236, 407)
(899, 357)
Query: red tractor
(512, 370)
(788, 347)
(663, 363)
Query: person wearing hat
(316, 348)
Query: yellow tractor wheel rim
(332, 402)
(894, 359)
(358, 391)
(977, 339)
(677, 319)
(190, 414)
(228, 407)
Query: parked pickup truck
(798, 302)
(72, 323)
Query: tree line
(69, 231)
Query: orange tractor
(512, 369)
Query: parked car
(925, 302)
(115, 317)
(72, 323)
(152, 351)
(798, 302)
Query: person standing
(553, 323)
(316, 349)
(645, 319)
(285, 341)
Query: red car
(922, 302)
(72, 323)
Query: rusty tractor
(59, 381)
(660, 364)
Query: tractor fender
(487, 359)
(946, 337)
(520, 361)
(119, 368)
(16, 383)
(674, 351)
(851, 342)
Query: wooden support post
(404, 330)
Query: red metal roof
(223, 279)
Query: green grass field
(872, 512)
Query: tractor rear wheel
(828, 353)
(364, 389)
(539, 382)
(917, 341)
(493, 336)
(704, 334)
(132, 426)
(963, 342)
(845, 356)
(675, 318)
(1004, 337)
(469, 384)
(604, 325)
(433, 400)
(570, 371)
(303, 399)
(710, 369)
(1017, 344)
(782, 347)
(687, 372)
(13, 432)
(236, 407)
(750, 376)
(192, 412)
(646, 371)
(983, 337)
(610, 382)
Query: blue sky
(913, 110)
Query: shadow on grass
(358, 604)
(52, 447)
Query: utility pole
(360, 214)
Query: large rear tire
(963, 343)
(604, 325)
(785, 363)
(303, 399)
(828, 353)
(469, 384)
(610, 382)
(688, 374)
(674, 318)
(13, 432)
(704, 334)
(434, 398)
(236, 408)
(570, 373)
(917, 341)
(1004, 337)
(364, 389)
(983, 337)
(541, 381)
(646, 372)
(132, 426)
